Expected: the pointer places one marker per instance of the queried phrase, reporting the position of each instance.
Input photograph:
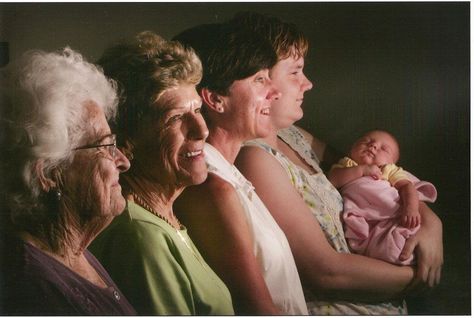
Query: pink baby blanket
(371, 217)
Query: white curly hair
(43, 102)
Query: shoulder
(254, 151)
(256, 157)
(214, 186)
(136, 229)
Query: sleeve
(345, 162)
(392, 173)
(144, 262)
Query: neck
(70, 254)
(72, 257)
(154, 197)
(228, 145)
(272, 139)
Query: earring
(54, 196)
(58, 194)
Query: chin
(119, 206)
(199, 178)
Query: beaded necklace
(142, 202)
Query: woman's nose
(273, 92)
(307, 84)
(198, 129)
(123, 164)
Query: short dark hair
(286, 39)
(228, 53)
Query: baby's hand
(411, 218)
(372, 170)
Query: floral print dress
(326, 205)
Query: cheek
(169, 149)
(101, 189)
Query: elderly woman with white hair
(60, 171)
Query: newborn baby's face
(375, 148)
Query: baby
(381, 200)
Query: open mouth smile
(192, 154)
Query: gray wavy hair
(42, 117)
(145, 68)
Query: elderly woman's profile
(60, 171)
(159, 126)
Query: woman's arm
(328, 273)
(215, 218)
(428, 246)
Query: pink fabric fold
(371, 217)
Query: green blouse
(160, 271)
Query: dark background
(404, 67)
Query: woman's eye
(197, 110)
(174, 118)
(260, 79)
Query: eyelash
(174, 118)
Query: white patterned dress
(325, 203)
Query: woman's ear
(213, 100)
(46, 183)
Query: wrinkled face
(170, 145)
(92, 181)
(288, 77)
(376, 147)
(247, 106)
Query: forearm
(358, 278)
(342, 176)
(408, 195)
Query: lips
(265, 111)
(369, 153)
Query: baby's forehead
(384, 137)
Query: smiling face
(170, 145)
(247, 106)
(288, 77)
(375, 147)
(92, 180)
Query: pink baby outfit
(371, 217)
